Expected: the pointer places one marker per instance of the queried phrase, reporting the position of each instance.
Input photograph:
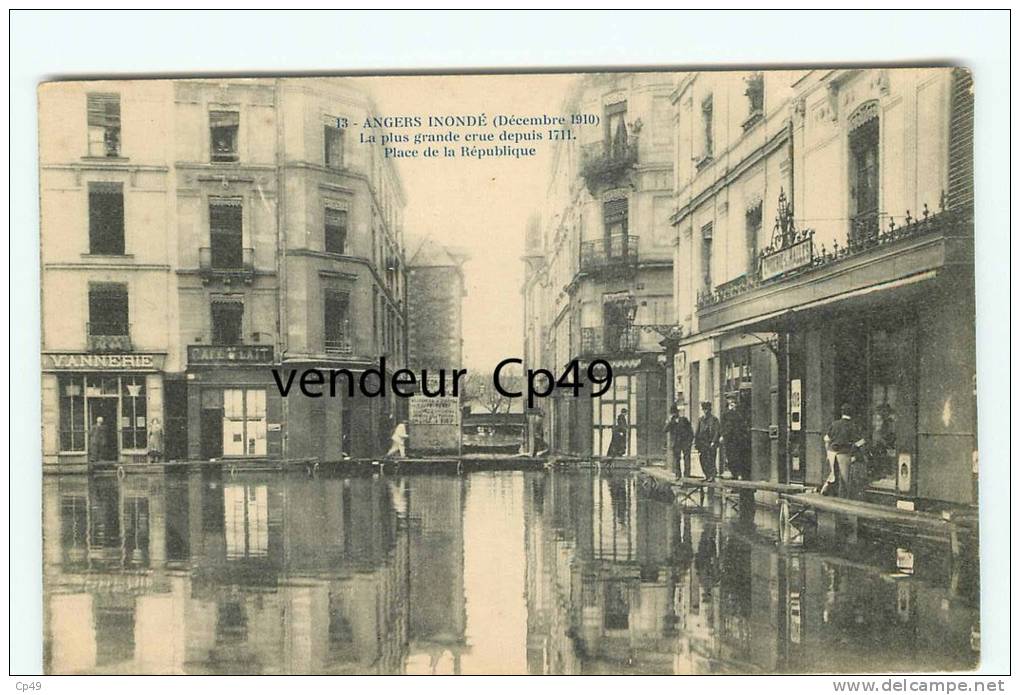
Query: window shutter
(104, 109)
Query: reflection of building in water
(191, 575)
(436, 571)
(620, 582)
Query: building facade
(204, 232)
(598, 281)
(435, 297)
(825, 257)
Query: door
(175, 433)
(106, 408)
(211, 423)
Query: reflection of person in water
(706, 562)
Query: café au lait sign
(229, 354)
(107, 362)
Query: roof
(429, 253)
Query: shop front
(100, 407)
(234, 407)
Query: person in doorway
(707, 440)
(621, 430)
(842, 439)
(735, 440)
(155, 441)
(399, 441)
(97, 441)
(681, 437)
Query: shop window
(335, 233)
(227, 320)
(337, 322)
(108, 309)
(104, 124)
(223, 128)
(891, 407)
(606, 409)
(244, 422)
(106, 218)
(864, 173)
(333, 148)
(132, 413)
(752, 230)
(225, 233)
(72, 413)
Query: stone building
(599, 282)
(825, 256)
(196, 234)
(435, 292)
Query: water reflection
(492, 572)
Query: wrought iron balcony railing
(227, 264)
(108, 336)
(616, 251)
(609, 340)
(604, 162)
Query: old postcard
(664, 372)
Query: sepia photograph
(666, 370)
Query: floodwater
(488, 572)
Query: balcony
(616, 252)
(108, 336)
(339, 347)
(608, 340)
(604, 163)
(226, 265)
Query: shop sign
(787, 259)
(229, 354)
(112, 362)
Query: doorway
(211, 424)
(106, 408)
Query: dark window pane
(227, 318)
(106, 218)
(336, 327)
(104, 124)
(336, 231)
(223, 127)
(108, 309)
(333, 139)
(225, 234)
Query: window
(614, 222)
(244, 422)
(706, 256)
(606, 410)
(336, 323)
(752, 229)
(106, 218)
(333, 147)
(225, 234)
(616, 129)
(104, 124)
(708, 140)
(864, 172)
(335, 237)
(108, 309)
(223, 126)
(132, 413)
(227, 319)
(72, 414)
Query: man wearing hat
(735, 439)
(707, 440)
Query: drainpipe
(281, 257)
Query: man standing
(681, 436)
(707, 440)
(841, 439)
(735, 440)
(97, 441)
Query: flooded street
(508, 572)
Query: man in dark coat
(736, 440)
(681, 436)
(621, 433)
(707, 440)
(97, 441)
